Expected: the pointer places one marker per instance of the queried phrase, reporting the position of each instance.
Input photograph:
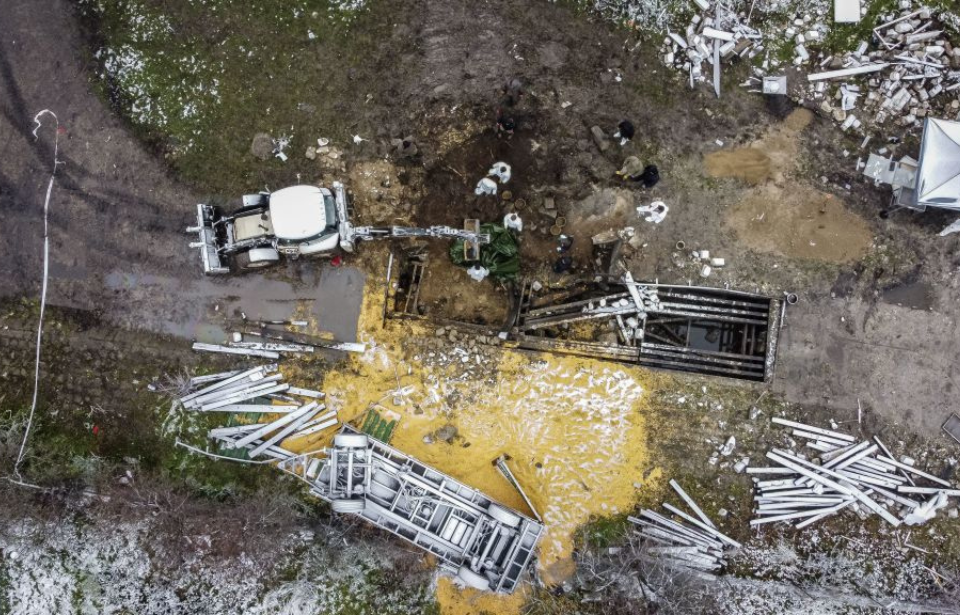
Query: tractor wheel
(245, 264)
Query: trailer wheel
(348, 506)
(350, 440)
(471, 579)
(503, 515)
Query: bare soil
(798, 221)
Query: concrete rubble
(712, 36)
(911, 70)
(844, 474)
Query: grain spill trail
(573, 428)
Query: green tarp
(501, 256)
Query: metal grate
(952, 426)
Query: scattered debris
(654, 212)
(712, 36)
(280, 144)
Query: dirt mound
(800, 222)
(750, 164)
(765, 160)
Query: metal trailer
(485, 544)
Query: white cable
(43, 288)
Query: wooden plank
(928, 490)
(848, 72)
(304, 416)
(676, 537)
(305, 392)
(897, 498)
(818, 437)
(789, 516)
(887, 452)
(751, 470)
(244, 395)
(241, 351)
(854, 454)
(327, 424)
(213, 377)
(277, 424)
(231, 431)
(227, 391)
(263, 408)
(693, 534)
(228, 381)
(823, 515)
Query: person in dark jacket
(512, 92)
(505, 124)
(624, 132)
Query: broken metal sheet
(951, 426)
(846, 11)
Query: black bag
(650, 176)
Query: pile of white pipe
(689, 541)
(844, 474)
(255, 391)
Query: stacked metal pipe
(690, 541)
(301, 414)
(862, 476)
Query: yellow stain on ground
(573, 429)
(456, 601)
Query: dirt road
(118, 247)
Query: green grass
(209, 76)
(603, 532)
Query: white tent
(938, 172)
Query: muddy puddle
(915, 296)
(206, 309)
